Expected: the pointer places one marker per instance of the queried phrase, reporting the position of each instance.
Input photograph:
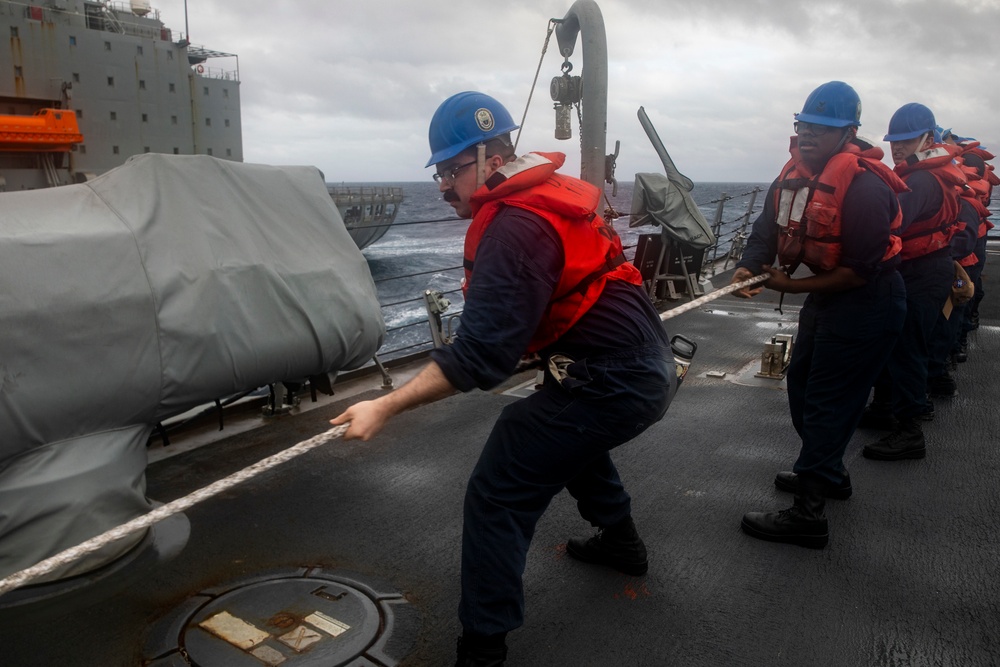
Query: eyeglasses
(451, 173)
(812, 128)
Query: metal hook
(609, 169)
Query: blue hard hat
(464, 120)
(910, 121)
(834, 104)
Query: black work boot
(789, 481)
(476, 652)
(906, 442)
(617, 546)
(877, 416)
(962, 354)
(942, 386)
(803, 523)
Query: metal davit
(584, 19)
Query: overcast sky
(350, 86)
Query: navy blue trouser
(948, 333)
(928, 282)
(976, 275)
(560, 437)
(843, 342)
(943, 340)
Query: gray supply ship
(86, 84)
(349, 555)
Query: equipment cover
(666, 200)
(164, 284)
(659, 200)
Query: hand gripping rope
(72, 554)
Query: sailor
(832, 208)
(544, 275)
(930, 220)
(982, 178)
(947, 335)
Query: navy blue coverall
(928, 282)
(947, 330)
(844, 338)
(976, 274)
(560, 437)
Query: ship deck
(911, 575)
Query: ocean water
(423, 251)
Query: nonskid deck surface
(911, 575)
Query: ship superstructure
(130, 86)
(86, 84)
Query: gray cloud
(351, 86)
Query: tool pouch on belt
(559, 365)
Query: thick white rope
(712, 296)
(160, 513)
(72, 554)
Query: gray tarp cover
(159, 286)
(667, 202)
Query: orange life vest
(983, 184)
(591, 247)
(923, 237)
(810, 205)
(976, 182)
(971, 195)
(973, 148)
(973, 199)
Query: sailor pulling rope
(72, 554)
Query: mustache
(450, 196)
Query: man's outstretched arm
(368, 417)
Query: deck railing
(730, 236)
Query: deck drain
(304, 617)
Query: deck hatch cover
(296, 619)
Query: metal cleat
(774, 360)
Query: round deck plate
(293, 619)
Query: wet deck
(911, 575)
